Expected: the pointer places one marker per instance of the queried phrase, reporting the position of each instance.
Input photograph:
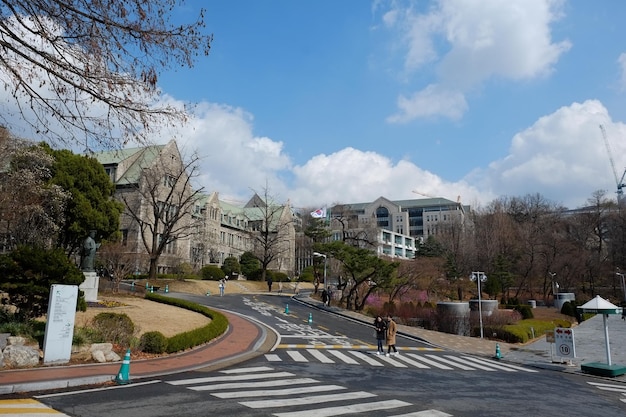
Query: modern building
(395, 226)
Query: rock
(19, 356)
(112, 357)
(98, 356)
(16, 341)
(3, 341)
(105, 347)
(1, 359)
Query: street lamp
(479, 277)
(619, 274)
(323, 256)
(555, 287)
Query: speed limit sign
(564, 340)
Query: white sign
(564, 340)
(57, 345)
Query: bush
(195, 337)
(113, 328)
(212, 272)
(153, 342)
(525, 310)
(568, 309)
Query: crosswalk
(284, 394)
(421, 360)
(27, 407)
(620, 388)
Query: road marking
(297, 356)
(343, 357)
(27, 407)
(311, 399)
(366, 358)
(277, 392)
(346, 409)
(320, 356)
(425, 413)
(205, 380)
(429, 362)
(258, 384)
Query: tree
(29, 272)
(366, 271)
(249, 263)
(32, 210)
(231, 266)
(91, 205)
(116, 262)
(87, 71)
(272, 231)
(161, 204)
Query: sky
(325, 102)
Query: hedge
(195, 337)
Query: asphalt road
(324, 367)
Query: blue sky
(344, 101)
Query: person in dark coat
(392, 329)
(324, 296)
(381, 333)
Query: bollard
(208, 293)
(286, 308)
(498, 354)
(151, 288)
(132, 286)
(147, 286)
(310, 318)
(167, 288)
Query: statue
(88, 252)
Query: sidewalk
(245, 339)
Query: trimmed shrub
(212, 273)
(568, 309)
(153, 342)
(525, 311)
(114, 328)
(195, 337)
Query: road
(327, 366)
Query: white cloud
(562, 156)
(431, 101)
(485, 39)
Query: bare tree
(272, 232)
(117, 262)
(31, 210)
(161, 205)
(87, 70)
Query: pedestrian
(296, 288)
(324, 296)
(280, 287)
(269, 284)
(391, 335)
(381, 333)
(330, 295)
(222, 286)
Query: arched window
(382, 217)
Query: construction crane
(619, 182)
(424, 194)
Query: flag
(319, 213)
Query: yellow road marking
(27, 406)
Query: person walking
(392, 329)
(381, 333)
(324, 296)
(222, 286)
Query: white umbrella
(601, 306)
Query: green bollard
(167, 288)
(151, 288)
(310, 318)
(286, 308)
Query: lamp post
(479, 277)
(555, 287)
(619, 274)
(322, 256)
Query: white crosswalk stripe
(284, 394)
(621, 388)
(404, 359)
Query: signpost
(564, 341)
